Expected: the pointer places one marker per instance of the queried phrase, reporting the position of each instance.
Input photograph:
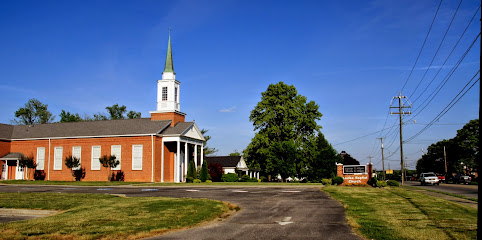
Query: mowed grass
(399, 213)
(75, 183)
(95, 216)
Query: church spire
(169, 67)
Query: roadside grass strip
(446, 193)
(94, 216)
(399, 213)
(70, 183)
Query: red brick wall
(30, 148)
(354, 179)
(175, 117)
(4, 149)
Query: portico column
(195, 155)
(185, 159)
(202, 155)
(176, 162)
(257, 175)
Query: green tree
(69, 117)
(207, 150)
(235, 153)
(132, 114)
(284, 121)
(99, 117)
(191, 172)
(34, 112)
(321, 159)
(71, 163)
(27, 163)
(461, 151)
(116, 112)
(204, 172)
(109, 162)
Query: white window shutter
(115, 150)
(136, 157)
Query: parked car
(441, 178)
(429, 178)
(463, 179)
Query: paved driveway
(266, 212)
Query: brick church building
(155, 149)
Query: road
(460, 189)
(266, 212)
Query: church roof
(225, 161)
(169, 66)
(12, 156)
(180, 128)
(137, 126)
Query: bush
(204, 172)
(215, 171)
(381, 184)
(393, 183)
(118, 176)
(337, 180)
(372, 182)
(244, 178)
(209, 181)
(189, 179)
(263, 179)
(326, 181)
(304, 180)
(253, 180)
(230, 177)
(39, 175)
(196, 181)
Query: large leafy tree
(284, 121)
(321, 159)
(34, 112)
(461, 151)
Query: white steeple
(168, 88)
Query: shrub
(189, 179)
(337, 180)
(381, 183)
(372, 182)
(39, 175)
(253, 180)
(196, 181)
(191, 170)
(215, 171)
(118, 176)
(230, 177)
(244, 178)
(326, 181)
(79, 174)
(393, 183)
(209, 181)
(263, 179)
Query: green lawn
(399, 213)
(86, 183)
(94, 216)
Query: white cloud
(227, 110)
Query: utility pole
(383, 159)
(400, 113)
(370, 157)
(445, 159)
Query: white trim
(152, 158)
(48, 169)
(186, 162)
(99, 136)
(162, 160)
(176, 161)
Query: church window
(164, 93)
(136, 157)
(95, 164)
(115, 150)
(77, 152)
(58, 158)
(175, 95)
(40, 158)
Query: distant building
(155, 149)
(231, 164)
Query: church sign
(354, 169)
(354, 174)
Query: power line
(436, 52)
(419, 53)
(448, 107)
(450, 54)
(351, 140)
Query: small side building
(231, 164)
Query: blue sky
(350, 57)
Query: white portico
(186, 142)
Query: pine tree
(204, 172)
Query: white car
(429, 178)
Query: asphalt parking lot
(266, 212)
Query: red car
(441, 178)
